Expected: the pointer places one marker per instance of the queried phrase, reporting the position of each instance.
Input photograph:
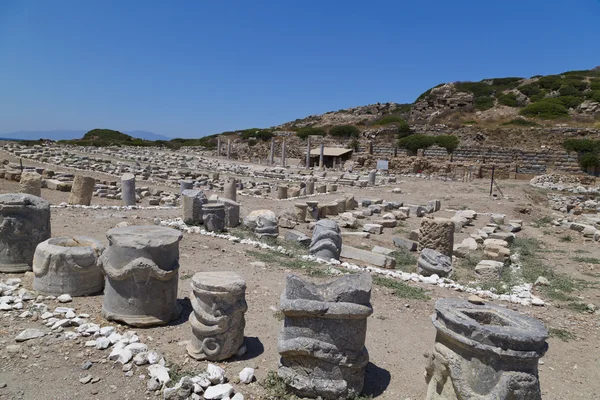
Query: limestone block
(326, 241)
(485, 351)
(193, 201)
(351, 203)
(230, 189)
(141, 266)
(373, 228)
(433, 262)
(300, 210)
(31, 183)
(322, 344)
(82, 190)
(405, 244)
(366, 256)
(437, 234)
(213, 216)
(489, 269)
(68, 264)
(218, 300)
(262, 223)
(24, 223)
(282, 192)
(232, 213)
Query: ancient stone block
(322, 345)
(262, 223)
(232, 213)
(31, 183)
(213, 216)
(433, 262)
(282, 192)
(326, 241)
(24, 223)
(68, 265)
(141, 265)
(218, 299)
(366, 256)
(230, 189)
(300, 210)
(484, 351)
(437, 234)
(82, 190)
(193, 201)
(128, 189)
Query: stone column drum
(24, 223)
(185, 185)
(218, 300)
(322, 344)
(484, 352)
(232, 213)
(282, 192)
(68, 265)
(213, 215)
(193, 201)
(300, 209)
(82, 190)
(372, 176)
(326, 242)
(128, 189)
(230, 189)
(437, 234)
(141, 266)
(310, 186)
(31, 183)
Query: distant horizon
(199, 68)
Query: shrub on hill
(347, 131)
(303, 133)
(258, 134)
(509, 99)
(484, 103)
(389, 119)
(545, 109)
(520, 122)
(413, 143)
(106, 135)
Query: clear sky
(191, 68)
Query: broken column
(232, 213)
(262, 223)
(218, 146)
(326, 241)
(82, 190)
(437, 234)
(68, 264)
(313, 209)
(272, 153)
(141, 266)
(193, 200)
(213, 216)
(484, 351)
(300, 209)
(322, 156)
(432, 262)
(283, 153)
(228, 149)
(230, 189)
(185, 185)
(322, 344)
(282, 192)
(372, 176)
(310, 186)
(128, 189)
(308, 152)
(218, 300)
(24, 223)
(31, 183)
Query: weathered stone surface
(24, 223)
(262, 223)
(326, 241)
(322, 343)
(484, 351)
(373, 228)
(193, 201)
(437, 234)
(282, 192)
(296, 236)
(466, 247)
(405, 243)
(230, 189)
(213, 216)
(433, 262)
(300, 210)
(68, 265)
(489, 269)
(128, 189)
(379, 260)
(31, 183)
(232, 213)
(218, 299)
(82, 190)
(141, 266)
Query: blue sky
(191, 68)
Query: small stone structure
(219, 303)
(193, 201)
(128, 194)
(185, 185)
(433, 262)
(24, 223)
(484, 352)
(282, 192)
(437, 234)
(372, 176)
(141, 265)
(68, 265)
(232, 213)
(322, 344)
(300, 210)
(230, 189)
(82, 190)
(310, 186)
(262, 223)
(213, 215)
(326, 241)
(31, 183)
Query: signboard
(382, 164)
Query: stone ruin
(139, 263)
(432, 262)
(68, 265)
(484, 352)
(82, 190)
(24, 223)
(437, 234)
(193, 201)
(326, 241)
(213, 216)
(262, 223)
(31, 183)
(218, 300)
(322, 344)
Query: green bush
(566, 90)
(570, 101)
(509, 99)
(581, 145)
(413, 143)
(259, 134)
(449, 142)
(545, 109)
(593, 95)
(589, 160)
(404, 130)
(484, 103)
(550, 82)
(389, 119)
(344, 131)
(303, 133)
(479, 89)
(501, 84)
(537, 97)
(530, 89)
(252, 142)
(595, 84)
(520, 122)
